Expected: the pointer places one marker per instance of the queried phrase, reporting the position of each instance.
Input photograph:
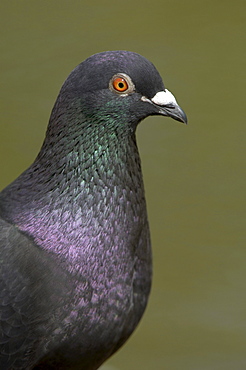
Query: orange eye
(120, 84)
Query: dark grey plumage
(75, 256)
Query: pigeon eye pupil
(120, 84)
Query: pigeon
(75, 252)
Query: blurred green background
(194, 175)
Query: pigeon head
(119, 88)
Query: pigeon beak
(167, 105)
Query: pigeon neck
(77, 185)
